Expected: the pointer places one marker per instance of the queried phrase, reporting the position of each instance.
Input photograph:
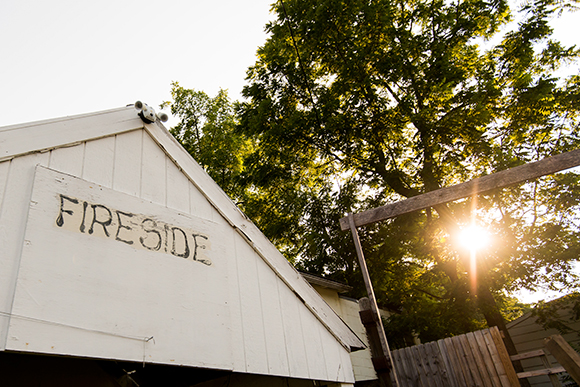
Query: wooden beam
(476, 186)
(528, 355)
(565, 355)
(381, 355)
(545, 371)
(504, 357)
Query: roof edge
(326, 283)
(255, 238)
(55, 133)
(61, 119)
(45, 135)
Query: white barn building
(122, 261)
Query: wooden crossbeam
(528, 355)
(483, 184)
(545, 371)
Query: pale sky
(68, 57)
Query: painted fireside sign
(140, 231)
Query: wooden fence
(474, 359)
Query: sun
(474, 238)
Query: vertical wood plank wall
(272, 331)
(473, 359)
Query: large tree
(354, 104)
(206, 129)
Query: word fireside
(139, 231)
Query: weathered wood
(479, 359)
(528, 355)
(553, 378)
(472, 364)
(4, 168)
(236, 326)
(252, 312)
(451, 377)
(189, 296)
(484, 350)
(380, 356)
(476, 186)
(545, 371)
(412, 379)
(473, 359)
(153, 176)
(99, 288)
(499, 367)
(504, 356)
(423, 376)
(411, 366)
(565, 355)
(18, 176)
(396, 358)
(463, 361)
(429, 370)
(436, 363)
(459, 366)
(68, 160)
(273, 322)
(177, 188)
(98, 164)
(317, 368)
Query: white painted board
(108, 275)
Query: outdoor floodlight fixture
(147, 113)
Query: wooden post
(504, 357)
(565, 355)
(382, 364)
(371, 319)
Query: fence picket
(452, 379)
(475, 359)
(416, 377)
(425, 382)
(484, 351)
(505, 382)
(480, 363)
(403, 374)
(437, 366)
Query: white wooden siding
(68, 160)
(99, 161)
(128, 153)
(271, 331)
(361, 360)
(49, 134)
(261, 245)
(273, 321)
(177, 188)
(19, 140)
(88, 283)
(251, 310)
(17, 190)
(348, 310)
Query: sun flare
(474, 238)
